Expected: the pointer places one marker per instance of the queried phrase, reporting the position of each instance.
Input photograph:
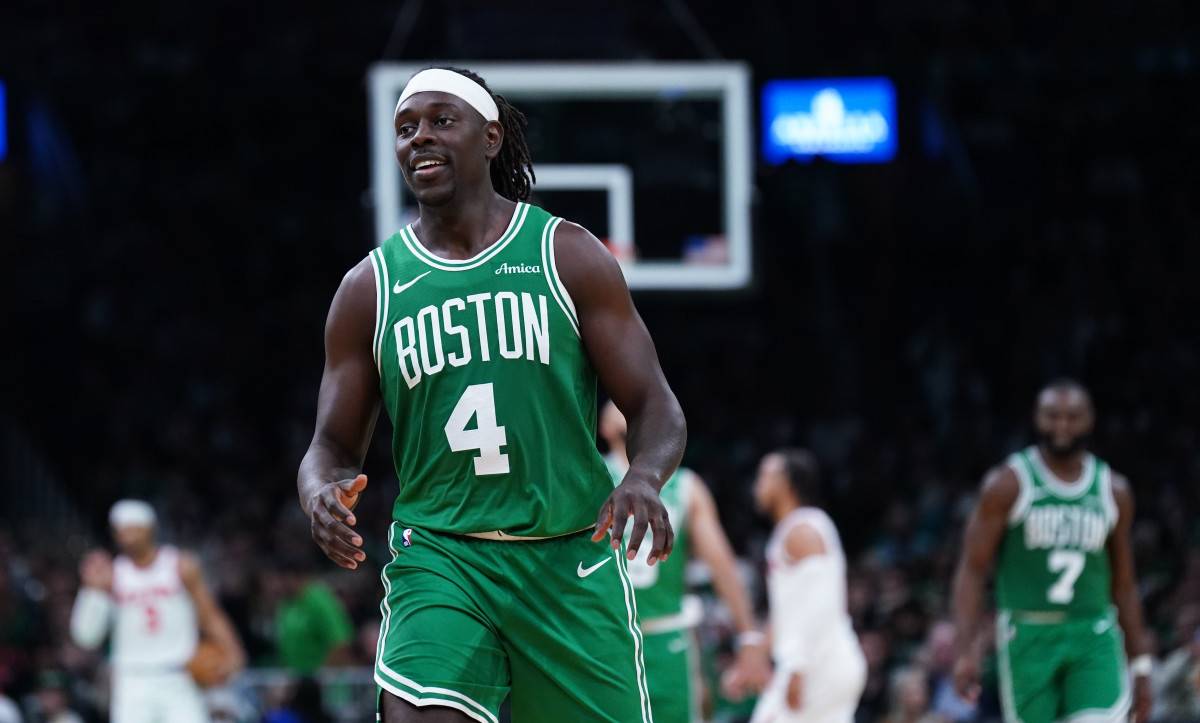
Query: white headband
(447, 81)
(131, 513)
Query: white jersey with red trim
(155, 617)
(809, 620)
(811, 632)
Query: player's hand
(331, 513)
(966, 677)
(637, 499)
(1143, 699)
(795, 691)
(96, 570)
(749, 673)
(232, 664)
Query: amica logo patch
(507, 268)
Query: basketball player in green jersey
(667, 613)
(482, 329)
(1055, 520)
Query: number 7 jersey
(491, 394)
(1053, 557)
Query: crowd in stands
(1040, 220)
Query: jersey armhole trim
(1107, 499)
(379, 266)
(688, 480)
(557, 289)
(1020, 508)
(794, 562)
(809, 560)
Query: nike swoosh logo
(585, 571)
(398, 288)
(1101, 626)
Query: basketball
(207, 666)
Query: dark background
(187, 184)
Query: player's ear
(493, 135)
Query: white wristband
(750, 637)
(1141, 666)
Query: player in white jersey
(819, 666)
(157, 606)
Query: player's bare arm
(752, 667)
(1125, 596)
(802, 541)
(91, 615)
(710, 544)
(981, 539)
(214, 623)
(621, 351)
(330, 479)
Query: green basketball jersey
(661, 587)
(1053, 557)
(488, 386)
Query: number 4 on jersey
(478, 401)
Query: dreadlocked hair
(512, 168)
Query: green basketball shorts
(466, 621)
(673, 672)
(1070, 670)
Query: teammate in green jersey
(482, 329)
(667, 612)
(1055, 520)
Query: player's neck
(464, 228)
(1066, 467)
(785, 508)
(144, 557)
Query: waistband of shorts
(689, 616)
(502, 536)
(148, 669)
(1053, 617)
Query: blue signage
(844, 120)
(3, 124)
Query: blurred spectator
(231, 705)
(301, 701)
(877, 651)
(1176, 679)
(53, 699)
(909, 698)
(9, 712)
(312, 627)
(20, 630)
(1046, 158)
(938, 659)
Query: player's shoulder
(1121, 487)
(358, 286)
(803, 538)
(360, 274)
(189, 565)
(572, 239)
(354, 304)
(691, 484)
(1000, 486)
(586, 266)
(1000, 476)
